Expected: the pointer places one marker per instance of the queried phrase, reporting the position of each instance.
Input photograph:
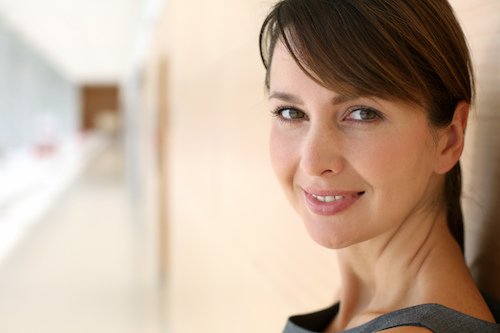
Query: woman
(371, 99)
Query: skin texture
(394, 247)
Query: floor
(76, 269)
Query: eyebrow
(290, 98)
(286, 97)
(339, 99)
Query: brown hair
(412, 50)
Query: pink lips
(323, 202)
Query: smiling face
(354, 169)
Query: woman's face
(354, 169)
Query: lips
(328, 203)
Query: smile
(328, 205)
(329, 198)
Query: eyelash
(379, 116)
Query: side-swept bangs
(412, 50)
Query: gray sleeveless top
(437, 318)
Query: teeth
(328, 198)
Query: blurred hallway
(77, 269)
(198, 202)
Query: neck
(386, 272)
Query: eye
(363, 114)
(290, 114)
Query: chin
(330, 236)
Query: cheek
(397, 161)
(283, 155)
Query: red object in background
(47, 135)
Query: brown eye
(292, 114)
(364, 114)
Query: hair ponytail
(452, 192)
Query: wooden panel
(162, 159)
(238, 254)
(95, 101)
(481, 158)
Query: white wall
(88, 40)
(32, 93)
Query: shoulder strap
(435, 317)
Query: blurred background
(136, 193)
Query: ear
(451, 141)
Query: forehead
(282, 64)
(288, 79)
(290, 84)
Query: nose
(322, 153)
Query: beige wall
(239, 258)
